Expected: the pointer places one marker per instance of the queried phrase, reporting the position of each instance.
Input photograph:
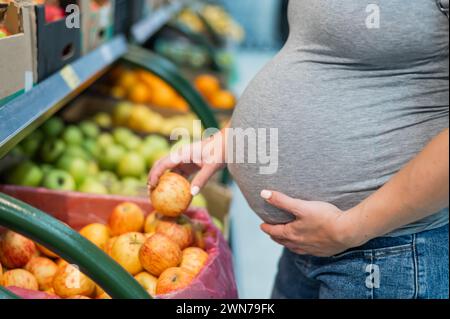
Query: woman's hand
(320, 229)
(205, 157)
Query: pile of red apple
(164, 253)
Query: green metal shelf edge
(71, 246)
(144, 29)
(6, 294)
(28, 111)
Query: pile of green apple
(84, 158)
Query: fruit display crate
(62, 209)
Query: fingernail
(266, 194)
(195, 190)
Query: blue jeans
(405, 267)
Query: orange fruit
(223, 100)
(139, 94)
(180, 104)
(127, 80)
(207, 85)
(164, 96)
(118, 92)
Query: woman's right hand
(204, 157)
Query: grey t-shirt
(359, 89)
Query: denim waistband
(383, 242)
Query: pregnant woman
(360, 98)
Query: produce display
(143, 119)
(209, 86)
(143, 87)
(85, 159)
(216, 18)
(163, 253)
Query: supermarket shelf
(27, 112)
(143, 30)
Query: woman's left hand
(320, 229)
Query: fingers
(160, 167)
(280, 236)
(201, 179)
(284, 202)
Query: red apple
(172, 196)
(69, 281)
(194, 259)
(159, 253)
(126, 251)
(20, 278)
(109, 244)
(98, 234)
(147, 281)
(43, 270)
(15, 250)
(46, 252)
(173, 279)
(126, 218)
(151, 222)
(1, 273)
(178, 229)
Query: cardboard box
(97, 23)
(18, 68)
(57, 45)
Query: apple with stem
(173, 279)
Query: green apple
(108, 179)
(122, 113)
(2, 34)
(75, 166)
(90, 129)
(77, 151)
(72, 135)
(26, 174)
(133, 143)
(157, 142)
(121, 135)
(131, 187)
(31, 143)
(199, 201)
(53, 127)
(110, 157)
(46, 168)
(93, 168)
(156, 157)
(131, 165)
(52, 150)
(92, 186)
(90, 146)
(104, 140)
(103, 120)
(59, 180)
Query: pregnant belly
(340, 138)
